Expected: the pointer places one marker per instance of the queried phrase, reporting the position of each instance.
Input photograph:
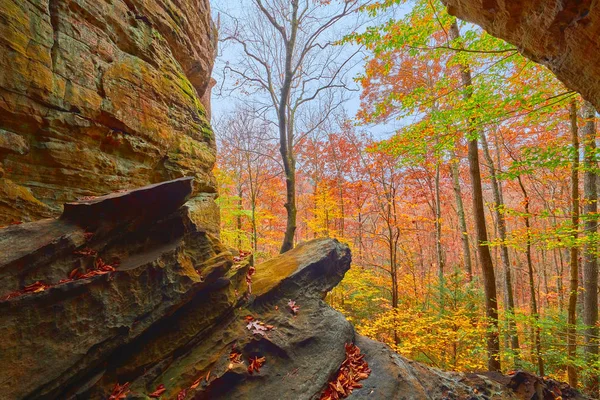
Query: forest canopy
(462, 175)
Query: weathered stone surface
(560, 34)
(101, 95)
(171, 305)
(165, 264)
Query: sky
(223, 103)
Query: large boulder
(101, 95)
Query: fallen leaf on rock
(196, 383)
(119, 392)
(258, 327)
(293, 307)
(353, 369)
(235, 357)
(86, 252)
(160, 389)
(36, 287)
(74, 273)
(181, 395)
(255, 363)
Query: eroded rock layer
(560, 34)
(101, 95)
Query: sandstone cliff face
(560, 34)
(101, 95)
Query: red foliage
(33, 288)
(293, 307)
(160, 389)
(86, 252)
(100, 268)
(353, 369)
(255, 363)
(119, 392)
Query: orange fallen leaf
(160, 389)
(255, 363)
(120, 392)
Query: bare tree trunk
(438, 233)
(485, 257)
(238, 219)
(501, 226)
(462, 223)
(533, 301)
(574, 274)
(590, 257)
(286, 134)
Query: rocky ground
(125, 297)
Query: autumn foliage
(394, 181)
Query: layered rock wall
(101, 95)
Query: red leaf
(255, 364)
(160, 389)
(120, 392)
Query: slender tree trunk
(485, 257)
(462, 223)
(501, 226)
(574, 274)
(533, 301)
(238, 219)
(438, 233)
(254, 226)
(286, 135)
(590, 256)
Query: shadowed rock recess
(125, 293)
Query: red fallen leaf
(196, 383)
(207, 377)
(35, 287)
(87, 198)
(74, 273)
(353, 369)
(120, 392)
(160, 389)
(65, 280)
(88, 236)
(293, 307)
(255, 363)
(86, 252)
(248, 318)
(235, 357)
(181, 395)
(16, 223)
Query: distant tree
(290, 58)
